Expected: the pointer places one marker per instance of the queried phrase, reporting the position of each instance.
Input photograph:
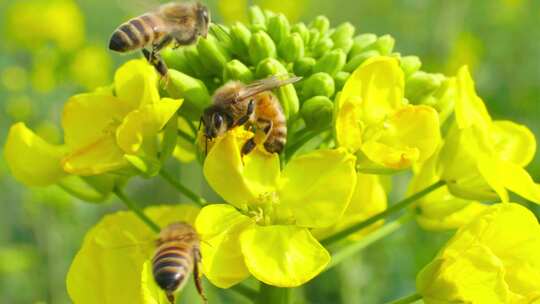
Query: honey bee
(177, 255)
(181, 23)
(236, 104)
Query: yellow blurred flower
(34, 23)
(91, 66)
(14, 78)
(113, 264)
(99, 130)
(493, 259)
(268, 233)
(374, 120)
(481, 158)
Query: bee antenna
(214, 28)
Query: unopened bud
(422, 84)
(314, 37)
(256, 18)
(194, 59)
(176, 59)
(317, 112)
(301, 29)
(385, 45)
(343, 37)
(278, 28)
(304, 66)
(213, 56)
(361, 43)
(318, 84)
(340, 79)
(357, 60)
(261, 47)
(240, 37)
(291, 47)
(192, 90)
(410, 65)
(321, 23)
(236, 70)
(322, 47)
(331, 63)
(269, 67)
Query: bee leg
(244, 119)
(265, 126)
(171, 298)
(197, 276)
(248, 146)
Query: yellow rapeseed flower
(493, 259)
(265, 231)
(100, 128)
(114, 263)
(482, 158)
(374, 120)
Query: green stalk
(183, 189)
(186, 136)
(407, 299)
(350, 250)
(273, 295)
(388, 212)
(247, 292)
(138, 212)
(301, 140)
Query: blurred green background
(51, 49)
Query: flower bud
(410, 65)
(240, 37)
(321, 23)
(213, 56)
(322, 47)
(256, 18)
(317, 112)
(291, 48)
(222, 34)
(361, 43)
(177, 60)
(236, 70)
(304, 66)
(357, 60)
(422, 84)
(261, 47)
(192, 90)
(331, 63)
(278, 28)
(385, 45)
(195, 62)
(301, 29)
(145, 166)
(343, 37)
(286, 94)
(340, 79)
(318, 84)
(314, 37)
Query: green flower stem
(186, 136)
(193, 128)
(247, 292)
(408, 299)
(273, 295)
(301, 139)
(183, 189)
(138, 212)
(343, 253)
(390, 211)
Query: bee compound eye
(218, 120)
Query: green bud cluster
(268, 44)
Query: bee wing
(263, 85)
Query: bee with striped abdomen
(236, 104)
(176, 257)
(181, 23)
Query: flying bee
(177, 255)
(236, 104)
(181, 23)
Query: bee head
(216, 122)
(203, 16)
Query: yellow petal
(498, 253)
(470, 109)
(113, 254)
(136, 82)
(86, 117)
(238, 181)
(97, 157)
(219, 227)
(318, 186)
(32, 160)
(283, 256)
(146, 121)
(349, 127)
(513, 142)
(379, 83)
